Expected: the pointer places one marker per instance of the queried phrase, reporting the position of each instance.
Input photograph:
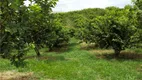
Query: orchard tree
(138, 5)
(23, 27)
(13, 19)
(116, 29)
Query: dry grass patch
(13, 75)
(109, 54)
(101, 51)
(140, 68)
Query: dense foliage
(25, 27)
(116, 29)
(138, 5)
(69, 18)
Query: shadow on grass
(47, 58)
(59, 49)
(19, 63)
(122, 56)
(50, 58)
(68, 48)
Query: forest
(89, 44)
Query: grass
(77, 64)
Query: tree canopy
(25, 27)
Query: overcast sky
(69, 5)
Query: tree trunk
(37, 51)
(117, 52)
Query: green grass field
(75, 63)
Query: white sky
(69, 5)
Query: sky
(71, 5)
